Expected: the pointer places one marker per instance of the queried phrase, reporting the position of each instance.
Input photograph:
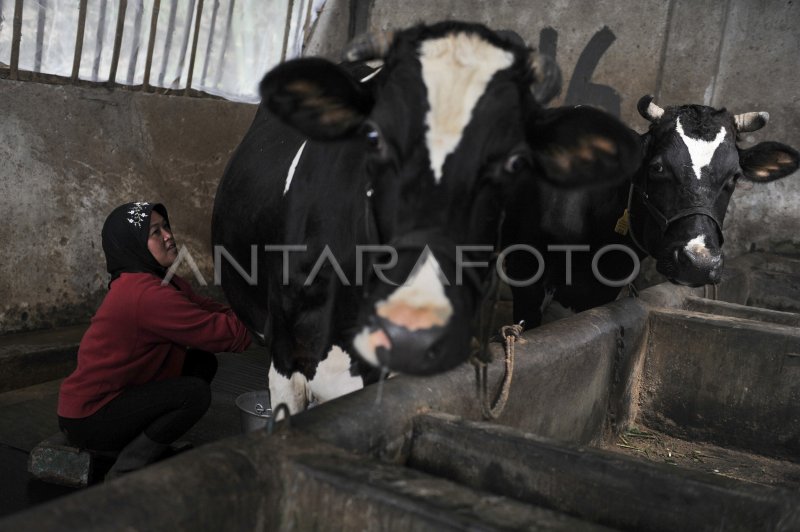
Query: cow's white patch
(370, 76)
(456, 70)
(293, 391)
(421, 302)
(293, 167)
(367, 342)
(697, 245)
(333, 378)
(700, 151)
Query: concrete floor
(28, 416)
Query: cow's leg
(333, 377)
(293, 391)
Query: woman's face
(161, 243)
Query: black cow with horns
(363, 210)
(676, 203)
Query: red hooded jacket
(140, 334)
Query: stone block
(55, 460)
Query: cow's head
(449, 126)
(681, 192)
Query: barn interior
(677, 409)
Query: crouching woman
(146, 362)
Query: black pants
(163, 410)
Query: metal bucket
(255, 410)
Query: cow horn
(648, 109)
(546, 83)
(370, 45)
(753, 121)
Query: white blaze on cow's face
(420, 303)
(700, 151)
(456, 70)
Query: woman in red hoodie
(146, 362)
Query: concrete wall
(68, 156)
(331, 31)
(739, 54)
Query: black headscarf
(125, 234)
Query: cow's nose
(411, 352)
(698, 267)
(704, 259)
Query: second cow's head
(449, 127)
(681, 192)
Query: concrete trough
(598, 486)
(668, 368)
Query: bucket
(255, 410)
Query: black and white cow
(419, 157)
(676, 205)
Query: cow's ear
(582, 146)
(317, 97)
(768, 161)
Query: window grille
(217, 47)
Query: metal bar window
(15, 40)
(193, 53)
(216, 47)
(123, 7)
(151, 44)
(76, 63)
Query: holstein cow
(675, 203)
(417, 159)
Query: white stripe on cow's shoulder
(333, 378)
(370, 76)
(421, 302)
(293, 391)
(456, 70)
(293, 167)
(700, 151)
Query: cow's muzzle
(406, 351)
(691, 268)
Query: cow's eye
(514, 163)
(656, 168)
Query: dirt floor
(646, 444)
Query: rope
(492, 409)
(711, 291)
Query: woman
(146, 362)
